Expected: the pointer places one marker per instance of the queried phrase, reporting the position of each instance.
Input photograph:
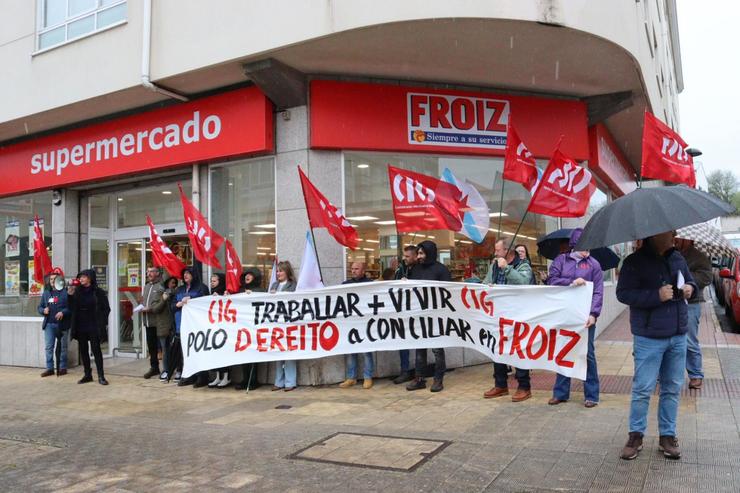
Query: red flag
(41, 260)
(519, 164)
(664, 155)
(233, 269)
(421, 202)
(322, 214)
(565, 189)
(161, 253)
(204, 240)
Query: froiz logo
(567, 176)
(405, 188)
(333, 211)
(672, 148)
(199, 232)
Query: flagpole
(516, 233)
(501, 206)
(316, 251)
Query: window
(368, 208)
(19, 294)
(242, 208)
(161, 203)
(64, 20)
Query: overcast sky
(710, 103)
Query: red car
(731, 288)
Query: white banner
(539, 327)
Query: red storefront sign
(608, 163)
(346, 115)
(225, 125)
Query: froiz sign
(459, 121)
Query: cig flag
(233, 268)
(41, 260)
(565, 189)
(519, 164)
(664, 155)
(162, 256)
(204, 240)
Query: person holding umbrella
(574, 269)
(656, 283)
(700, 267)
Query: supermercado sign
(360, 116)
(524, 326)
(228, 124)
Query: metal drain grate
(388, 453)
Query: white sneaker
(215, 381)
(178, 376)
(225, 382)
(163, 376)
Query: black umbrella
(549, 247)
(647, 212)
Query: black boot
(186, 381)
(404, 377)
(417, 383)
(85, 379)
(102, 380)
(437, 385)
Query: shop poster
(134, 273)
(12, 238)
(34, 288)
(12, 277)
(101, 275)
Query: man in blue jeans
(358, 275)
(700, 267)
(404, 272)
(55, 309)
(656, 283)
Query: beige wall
(192, 34)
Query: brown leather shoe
(632, 447)
(47, 373)
(495, 392)
(61, 371)
(669, 446)
(555, 402)
(521, 395)
(275, 388)
(695, 383)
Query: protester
(222, 380)
(358, 275)
(151, 296)
(192, 288)
(574, 269)
(650, 283)
(89, 309)
(403, 272)
(55, 309)
(509, 268)
(168, 313)
(286, 372)
(700, 267)
(388, 274)
(523, 252)
(427, 268)
(250, 282)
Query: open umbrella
(708, 240)
(647, 212)
(549, 247)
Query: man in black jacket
(358, 275)
(403, 272)
(428, 269)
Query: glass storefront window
(19, 294)
(162, 204)
(99, 211)
(243, 210)
(368, 207)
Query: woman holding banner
(222, 380)
(285, 371)
(251, 282)
(191, 288)
(574, 269)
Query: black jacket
(255, 285)
(221, 288)
(101, 308)
(430, 270)
(352, 280)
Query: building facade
(108, 105)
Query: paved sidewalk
(141, 435)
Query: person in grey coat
(286, 372)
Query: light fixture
(264, 248)
(120, 199)
(385, 223)
(362, 218)
(493, 230)
(166, 192)
(507, 233)
(363, 165)
(260, 233)
(430, 237)
(272, 253)
(261, 253)
(231, 183)
(372, 241)
(498, 214)
(466, 242)
(369, 249)
(268, 226)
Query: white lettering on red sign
(155, 139)
(459, 121)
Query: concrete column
(65, 235)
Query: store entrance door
(133, 257)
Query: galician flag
(310, 275)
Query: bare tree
(723, 184)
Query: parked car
(731, 289)
(719, 263)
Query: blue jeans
(561, 390)
(286, 373)
(51, 335)
(404, 355)
(657, 357)
(693, 350)
(352, 366)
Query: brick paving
(141, 435)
